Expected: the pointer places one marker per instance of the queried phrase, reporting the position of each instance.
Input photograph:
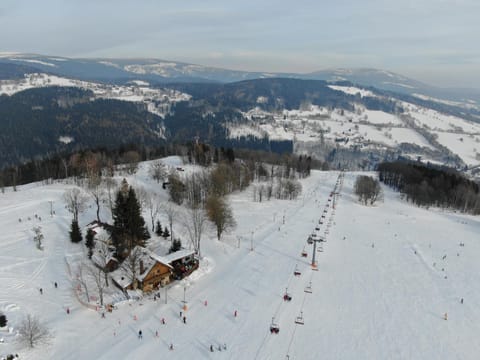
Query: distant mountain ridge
(165, 71)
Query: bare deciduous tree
(131, 265)
(153, 205)
(368, 189)
(32, 332)
(76, 202)
(171, 212)
(195, 222)
(220, 214)
(82, 279)
(97, 275)
(142, 196)
(110, 185)
(131, 159)
(102, 254)
(97, 193)
(158, 170)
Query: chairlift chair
(308, 288)
(299, 319)
(304, 253)
(296, 272)
(274, 328)
(287, 296)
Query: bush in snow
(176, 245)
(38, 237)
(3, 320)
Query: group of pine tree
(128, 229)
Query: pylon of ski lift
(315, 266)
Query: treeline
(235, 170)
(431, 186)
(84, 162)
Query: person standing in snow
(211, 348)
(56, 285)
(235, 313)
(41, 291)
(445, 316)
(139, 334)
(184, 319)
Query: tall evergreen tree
(89, 243)
(159, 230)
(129, 228)
(75, 234)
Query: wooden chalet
(156, 271)
(152, 272)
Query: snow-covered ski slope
(381, 289)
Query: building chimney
(142, 267)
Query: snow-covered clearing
(465, 146)
(380, 292)
(351, 90)
(437, 121)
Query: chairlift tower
(314, 240)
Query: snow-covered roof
(149, 259)
(98, 259)
(121, 277)
(178, 255)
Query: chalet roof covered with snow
(178, 255)
(122, 275)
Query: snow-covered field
(385, 279)
(367, 129)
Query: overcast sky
(436, 41)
